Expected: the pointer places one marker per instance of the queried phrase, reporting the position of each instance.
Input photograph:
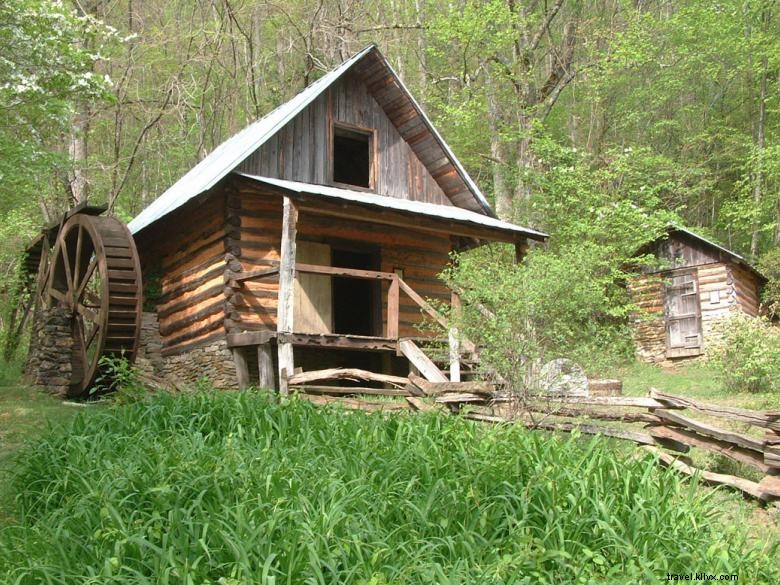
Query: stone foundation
(49, 359)
(212, 362)
(149, 360)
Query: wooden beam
(242, 369)
(393, 296)
(454, 342)
(250, 338)
(285, 317)
(749, 487)
(746, 456)
(346, 374)
(710, 431)
(326, 340)
(769, 419)
(265, 366)
(419, 360)
(341, 390)
(348, 272)
(255, 274)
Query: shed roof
(432, 210)
(228, 155)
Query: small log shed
(313, 237)
(701, 284)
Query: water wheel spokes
(96, 277)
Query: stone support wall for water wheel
(88, 303)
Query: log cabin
(314, 238)
(699, 284)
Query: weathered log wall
(724, 289)
(302, 150)
(420, 255)
(185, 255)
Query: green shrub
(747, 355)
(228, 488)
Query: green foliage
(769, 265)
(748, 354)
(568, 298)
(118, 375)
(232, 488)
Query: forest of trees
(595, 121)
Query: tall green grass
(229, 488)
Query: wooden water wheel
(94, 273)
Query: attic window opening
(352, 156)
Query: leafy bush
(748, 354)
(769, 264)
(232, 488)
(558, 303)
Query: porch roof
(404, 206)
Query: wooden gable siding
(681, 251)
(421, 255)
(302, 150)
(411, 125)
(187, 253)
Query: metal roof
(446, 212)
(228, 155)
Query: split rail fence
(664, 419)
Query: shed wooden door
(683, 314)
(313, 300)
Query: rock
(563, 377)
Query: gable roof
(228, 155)
(709, 244)
(432, 210)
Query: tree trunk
(758, 175)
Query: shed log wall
(302, 150)
(718, 298)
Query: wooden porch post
(393, 295)
(284, 318)
(521, 249)
(454, 342)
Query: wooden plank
(749, 487)
(460, 397)
(285, 317)
(250, 338)
(313, 293)
(634, 417)
(352, 342)
(724, 448)
(242, 369)
(627, 401)
(769, 419)
(393, 294)
(437, 388)
(421, 405)
(342, 390)
(711, 431)
(422, 362)
(354, 403)
(348, 272)
(346, 374)
(635, 437)
(242, 277)
(265, 366)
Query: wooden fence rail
(661, 414)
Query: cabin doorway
(356, 301)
